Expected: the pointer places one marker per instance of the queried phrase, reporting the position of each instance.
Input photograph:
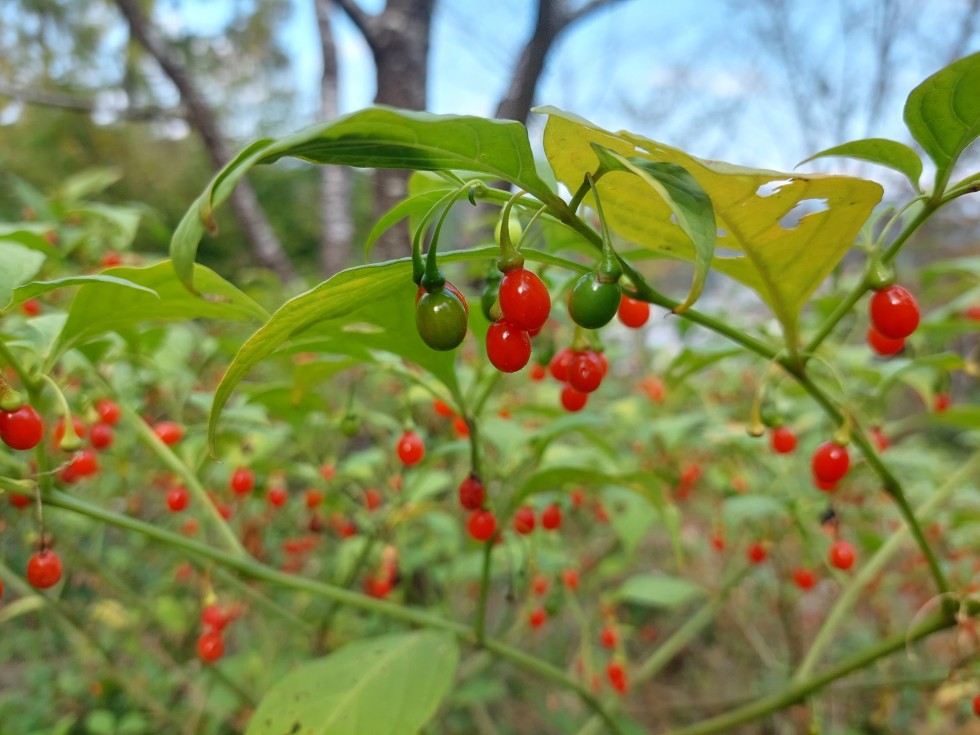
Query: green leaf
(687, 201)
(376, 138)
(37, 288)
(390, 685)
(882, 151)
(20, 265)
(761, 243)
(369, 306)
(943, 113)
(413, 205)
(30, 235)
(88, 182)
(744, 508)
(152, 293)
(655, 590)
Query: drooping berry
(782, 439)
(570, 578)
(804, 578)
(524, 520)
(277, 496)
(632, 312)
(524, 299)
(830, 463)
(21, 429)
(215, 617)
(210, 646)
(558, 367)
(882, 345)
(841, 554)
(411, 448)
(108, 411)
(101, 436)
(482, 525)
(616, 674)
(608, 637)
(551, 517)
(756, 552)
(44, 569)
(177, 499)
(168, 432)
(242, 481)
(537, 617)
(585, 371)
(471, 492)
(508, 346)
(573, 400)
(894, 312)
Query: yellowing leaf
(780, 234)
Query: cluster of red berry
(211, 642)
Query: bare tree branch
(264, 243)
(81, 104)
(365, 22)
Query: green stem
(14, 363)
(798, 691)
(187, 476)
(70, 441)
(869, 570)
(480, 624)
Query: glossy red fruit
(21, 429)
(608, 637)
(585, 371)
(471, 492)
(537, 617)
(101, 436)
(841, 554)
(168, 432)
(313, 498)
(372, 499)
(573, 400)
(83, 464)
(31, 307)
(108, 411)
(210, 646)
(242, 481)
(178, 498)
(537, 372)
(830, 463)
(524, 299)
(756, 552)
(524, 520)
(276, 496)
(411, 448)
(111, 259)
(804, 578)
(20, 501)
(442, 408)
(508, 346)
(894, 312)
(782, 439)
(215, 617)
(882, 345)
(941, 402)
(558, 367)
(44, 569)
(616, 675)
(570, 579)
(551, 517)
(482, 525)
(632, 312)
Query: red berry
(585, 371)
(379, 587)
(313, 498)
(882, 345)
(608, 637)
(941, 402)
(20, 501)
(410, 448)
(570, 579)
(841, 554)
(558, 367)
(537, 617)
(31, 307)
(879, 439)
(108, 411)
(524, 520)
(21, 429)
(617, 676)
(783, 440)
(482, 525)
(442, 408)
(893, 312)
(168, 432)
(328, 472)
(210, 646)
(372, 499)
(276, 496)
(973, 314)
(537, 372)
(756, 552)
(804, 578)
(524, 299)
(460, 427)
(101, 436)
(551, 517)
(83, 464)
(214, 617)
(718, 542)
(976, 699)
(178, 498)
(573, 400)
(539, 585)
(44, 569)
(632, 312)
(691, 474)
(471, 492)
(242, 481)
(110, 259)
(830, 462)
(508, 347)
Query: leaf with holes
(375, 138)
(943, 113)
(389, 685)
(780, 234)
(882, 151)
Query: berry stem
(480, 623)
(25, 379)
(70, 441)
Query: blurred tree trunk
(398, 37)
(554, 17)
(337, 225)
(263, 241)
